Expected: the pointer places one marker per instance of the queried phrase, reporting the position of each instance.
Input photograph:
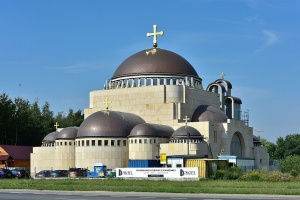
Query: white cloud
(270, 39)
(256, 19)
(78, 67)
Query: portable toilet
(100, 169)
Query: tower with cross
(155, 34)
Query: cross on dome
(154, 34)
(186, 120)
(222, 75)
(106, 102)
(56, 125)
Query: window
(140, 141)
(215, 137)
(105, 142)
(118, 142)
(78, 143)
(145, 141)
(66, 143)
(57, 143)
(99, 142)
(178, 165)
(87, 143)
(70, 143)
(154, 141)
(124, 143)
(112, 143)
(60, 143)
(150, 141)
(135, 141)
(82, 143)
(93, 142)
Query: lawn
(201, 186)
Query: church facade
(153, 105)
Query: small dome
(155, 62)
(185, 130)
(50, 137)
(151, 130)
(108, 124)
(209, 113)
(69, 133)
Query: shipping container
(206, 167)
(143, 163)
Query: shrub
(217, 175)
(289, 164)
(233, 173)
(251, 176)
(294, 173)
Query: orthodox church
(153, 105)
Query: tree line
(25, 123)
(284, 146)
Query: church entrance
(236, 147)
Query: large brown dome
(155, 62)
(108, 124)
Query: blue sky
(59, 51)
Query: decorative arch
(227, 84)
(233, 107)
(219, 89)
(237, 145)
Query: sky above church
(59, 51)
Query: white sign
(185, 172)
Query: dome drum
(153, 80)
(154, 67)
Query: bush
(233, 173)
(251, 176)
(272, 176)
(290, 164)
(294, 173)
(219, 174)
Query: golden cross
(106, 102)
(154, 34)
(222, 75)
(186, 120)
(56, 125)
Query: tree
(7, 109)
(47, 119)
(291, 164)
(23, 123)
(288, 146)
(292, 145)
(72, 119)
(21, 116)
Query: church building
(154, 104)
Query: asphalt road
(76, 195)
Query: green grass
(201, 186)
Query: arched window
(236, 146)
